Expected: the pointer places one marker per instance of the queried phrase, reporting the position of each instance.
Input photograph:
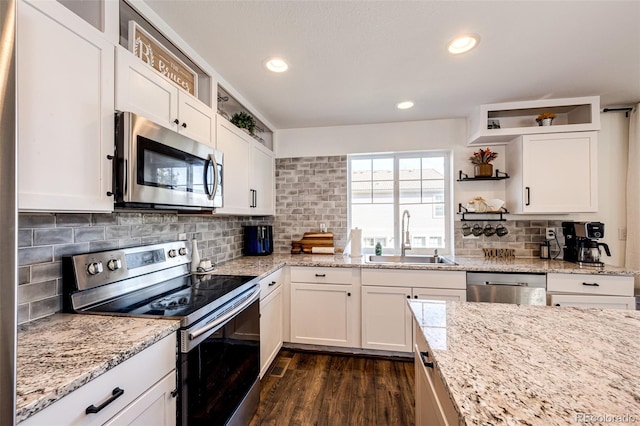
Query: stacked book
(314, 242)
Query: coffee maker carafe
(581, 245)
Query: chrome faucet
(406, 238)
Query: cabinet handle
(184, 125)
(415, 297)
(408, 296)
(272, 283)
(174, 393)
(176, 121)
(115, 394)
(423, 356)
(528, 191)
(348, 294)
(557, 304)
(592, 284)
(321, 275)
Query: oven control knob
(94, 268)
(173, 253)
(114, 264)
(182, 251)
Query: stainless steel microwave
(155, 167)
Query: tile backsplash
(44, 238)
(310, 191)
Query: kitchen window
(382, 186)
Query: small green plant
(244, 121)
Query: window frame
(447, 202)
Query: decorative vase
(546, 121)
(483, 170)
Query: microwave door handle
(126, 178)
(211, 163)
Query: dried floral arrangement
(544, 115)
(483, 156)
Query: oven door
(159, 167)
(219, 376)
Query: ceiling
(352, 61)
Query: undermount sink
(412, 259)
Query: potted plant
(244, 121)
(545, 118)
(481, 160)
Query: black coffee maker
(581, 245)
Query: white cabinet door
(589, 301)
(235, 171)
(553, 173)
(65, 86)
(427, 408)
(263, 179)
(157, 406)
(271, 328)
(386, 318)
(141, 90)
(248, 172)
(323, 314)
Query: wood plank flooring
(330, 389)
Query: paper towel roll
(356, 242)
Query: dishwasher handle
(507, 284)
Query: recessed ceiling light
(463, 43)
(404, 105)
(276, 65)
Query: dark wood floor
(322, 389)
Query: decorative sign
(147, 48)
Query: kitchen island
(533, 365)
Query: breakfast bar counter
(533, 365)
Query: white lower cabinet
(433, 407)
(139, 391)
(325, 306)
(386, 318)
(271, 319)
(591, 291)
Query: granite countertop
(262, 265)
(62, 352)
(533, 365)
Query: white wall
(451, 134)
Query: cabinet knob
(348, 294)
(184, 125)
(176, 121)
(557, 304)
(416, 296)
(408, 296)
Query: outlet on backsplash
(551, 233)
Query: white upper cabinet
(248, 172)
(140, 89)
(65, 85)
(496, 124)
(553, 173)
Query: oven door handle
(235, 311)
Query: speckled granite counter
(60, 353)
(261, 265)
(534, 365)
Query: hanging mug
(501, 231)
(477, 230)
(489, 231)
(466, 230)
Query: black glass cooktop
(179, 297)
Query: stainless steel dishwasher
(507, 287)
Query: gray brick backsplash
(45, 238)
(31, 255)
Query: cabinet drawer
(592, 301)
(270, 283)
(324, 275)
(415, 278)
(134, 376)
(611, 285)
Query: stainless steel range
(219, 336)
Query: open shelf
(519, 118)
(228, 105)
(481, 215)
(463, 177)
